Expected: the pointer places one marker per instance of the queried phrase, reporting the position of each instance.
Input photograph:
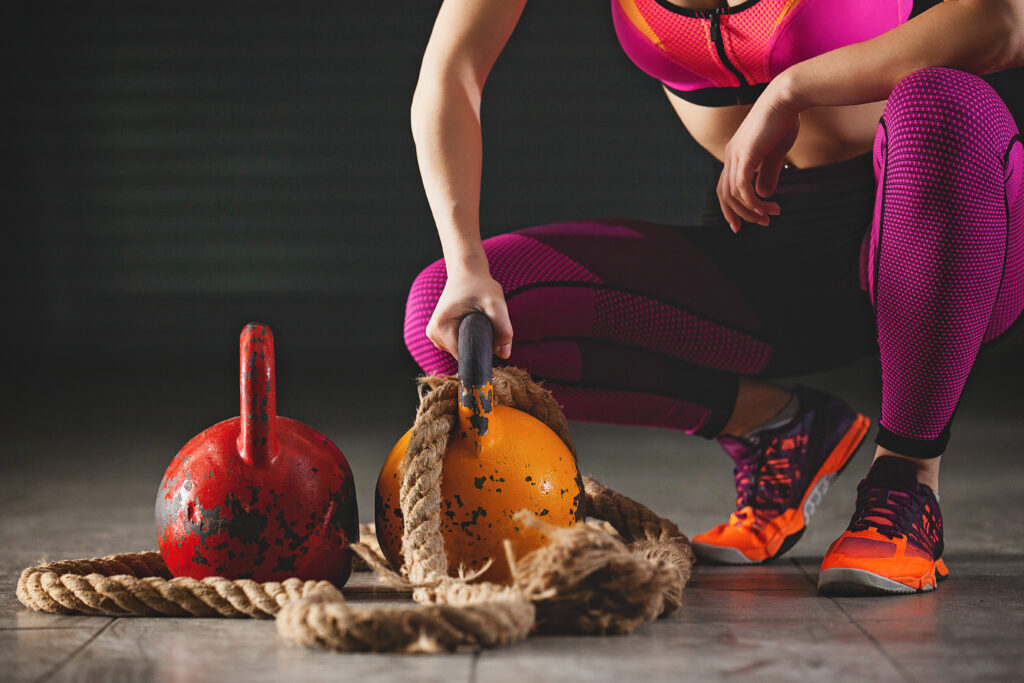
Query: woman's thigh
(639, 284)
(758, 303)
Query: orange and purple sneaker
(782, 471)
(894, 541)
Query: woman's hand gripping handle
(470, 290)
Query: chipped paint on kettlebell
(258, 496)
(525, 465)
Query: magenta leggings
(637, 323)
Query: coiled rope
(586, 580)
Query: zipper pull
(715, 27)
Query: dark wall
(179, 170)
(176, 170)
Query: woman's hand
(467, 291)
(759, 146)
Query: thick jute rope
(139, 584)
(585, 580)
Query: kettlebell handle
(257, 439)
(476, 343)
(476, 348)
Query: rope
(139, 584)
(368, 538)
(586, 580)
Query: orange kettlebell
(500, 460)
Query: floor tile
(31, 654)
(218, 650)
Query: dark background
(179, 170)
(176, 170)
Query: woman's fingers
(735, 213)
(744, 191)
(502, 326)
(723, 201)
(731, 218)
(443, 333)
(768, 176)
(747, 214)
(740, 191)
(733, 208)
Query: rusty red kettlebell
(258, 496)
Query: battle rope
(585, 580)
(139, 584)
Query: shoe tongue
(893, 473)
(738, 448)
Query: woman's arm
(979, 36)
(467, 38)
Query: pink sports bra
(727, 55)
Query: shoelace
(890, 511)
(762, 489)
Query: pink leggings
(629, 322)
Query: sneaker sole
(720, 554)
(834, 464)
(842, 581)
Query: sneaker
(894, 541)
(781, 474)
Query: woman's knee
(941, 159)
(419, 306)
(514, 261)
(941, 154)
(939, 91)
(950, 115)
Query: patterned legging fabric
(630, 322)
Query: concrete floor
(82, 457)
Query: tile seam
(896, 664)
(60, 665)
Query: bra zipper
(715, 28)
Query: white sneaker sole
(841, 581)
(817, 493)
(720, 554)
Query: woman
(841, 225)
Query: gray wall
(176, 170)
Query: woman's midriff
(827, 134)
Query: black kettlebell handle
(476, 346)
(476, 349)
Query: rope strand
(586, 580)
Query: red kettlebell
(258, 497)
